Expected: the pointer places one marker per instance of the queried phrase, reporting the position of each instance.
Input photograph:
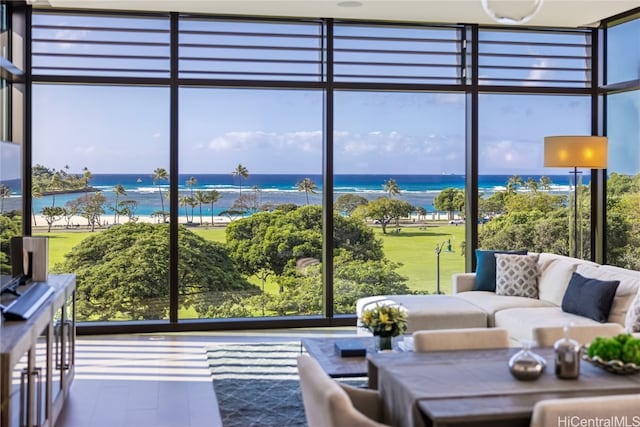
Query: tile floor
(159, 380)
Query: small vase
(383, 343)
(525, 365)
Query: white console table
(37, 359)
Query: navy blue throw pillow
(590, 298)
(486, 269)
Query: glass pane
(395, 154)
(250, 197)
(522, 204)
(100, 194)
(623, 52)
(623, 185)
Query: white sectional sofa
(519, 314)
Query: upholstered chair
(583, 334)
(328, 403)
(460, 339)
(574, 411)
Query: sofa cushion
(429, 311)
(554, 279)
(589, 297)
(492, 303)
(626, 292)
(521, 321)
(632, 321)
(517, 275)
(486, 268)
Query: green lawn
(414, 247)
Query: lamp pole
(575, 173)
(438, 250)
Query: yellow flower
(386, 320)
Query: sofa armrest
(463, 282)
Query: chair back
(326, 404)
(553, 411)
(460, 339)
(583, 334)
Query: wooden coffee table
(323, 350)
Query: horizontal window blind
(534, 58)
(250, 50)
(94, 45)
(397, 54)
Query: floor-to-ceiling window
(242, 135)
(623, 131)
(101, 158)
(523, 204)
(11, 137)
(251, 191)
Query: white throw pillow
(632, 322)
(517, 275)
(554, 279)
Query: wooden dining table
(475, 387)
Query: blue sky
(119, 129)
(126, 130)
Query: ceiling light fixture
(511, 12)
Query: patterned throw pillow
(517, 275)
(632, 321)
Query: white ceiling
(554, 13)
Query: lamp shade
(576, 151)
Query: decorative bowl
(613, 366)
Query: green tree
(212, 197)
(5, 193)
(92, 208)
(391, 187)
(159, 175)
(51, 215)
(384, 210)
(347, 203)
(450, 200)
(308, 186)
(545, 183)
(241, 172)
(118, 191)
(122, 273)
(513, 184)
(10, 226)
(190, 183)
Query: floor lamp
(575, 152)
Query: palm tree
(86, 177)
(532, 185)
(160, 174)
(308, 186)
(118, 190)
(190, 183)
(212, 197)
(391, 187)
(5, 192)
(241, 172)
(513, 183)
(545, 182)
(36, 193)
(200, 198)
(56, 185)
(185, 201)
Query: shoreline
(79, 223)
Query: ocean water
(419, 190)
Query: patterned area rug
(257, 385)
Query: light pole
(438, 250)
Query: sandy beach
(80, 223)
(77, 222)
